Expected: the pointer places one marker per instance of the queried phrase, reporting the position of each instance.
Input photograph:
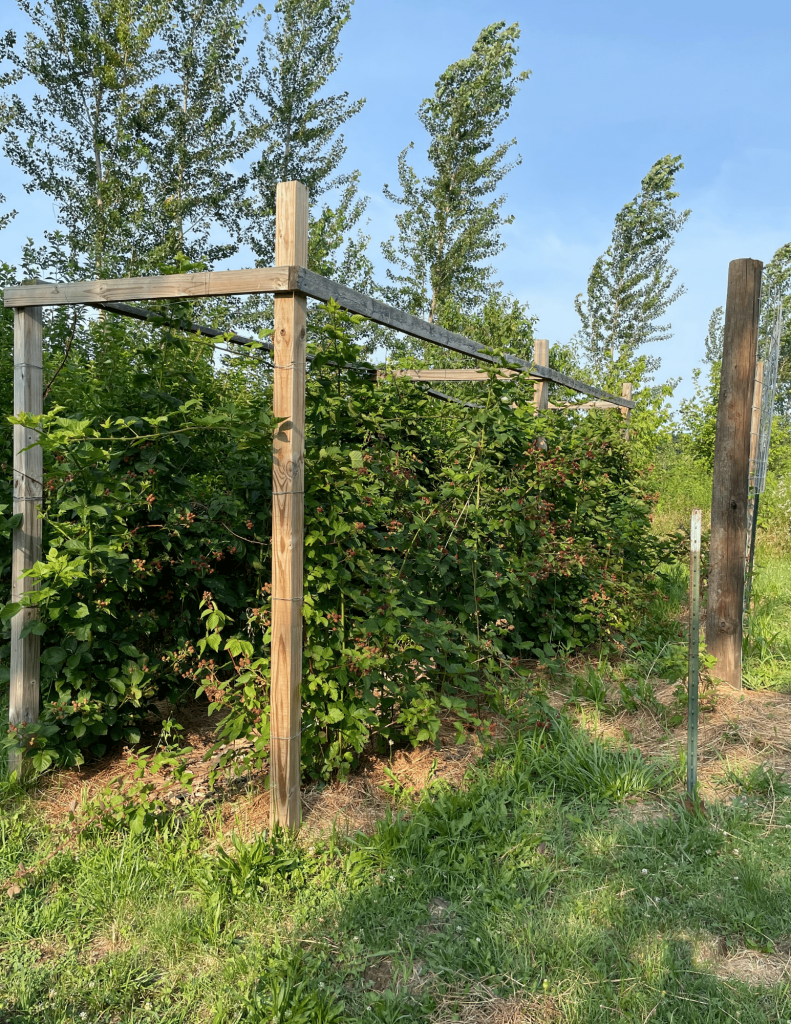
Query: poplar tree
(194, 134)
(449, 224)
(630, 287)
(296, 121)
(93, 65)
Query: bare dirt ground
(353, 804)
(744, 730)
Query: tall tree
(194, 135)
(93, 64)
(715, 336)
(630, 287)
(449, 226)
(296, 121)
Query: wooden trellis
(292, 285)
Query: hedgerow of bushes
(444, 545)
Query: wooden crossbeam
(455, 375)
(282, 279)
(321, 288)
(168, 286)
(583, 405)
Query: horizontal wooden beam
(168, 286)
(321, 288)
(280, 279)
(456, 375)
(584, 405)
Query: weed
(761, 779)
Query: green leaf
(53, 656)
(9, 610)
(36, 627)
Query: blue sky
(614, 86)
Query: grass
(767, 645)
(564, 881)
(682, 484)
(534, 880)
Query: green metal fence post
(694, 653)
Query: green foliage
(296, 121)
(449, 227)
(776, 290)
(284, 997)
(442, 545)
(698, 416)
(629, 288)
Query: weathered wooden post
(626, 392)
(28, 472)
(288, 475)
(541, 388)
(728, 546)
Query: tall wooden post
(25, 693)
(541, 388)
(626, 392)
(288, 496)
(729, 496)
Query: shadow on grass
(530, 891)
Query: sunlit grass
(767, 644)
(534, 878)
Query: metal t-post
(693, 677)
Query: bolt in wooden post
(626, 392)
(541, 388)
(288, 495)
(693, 676)
(25, 691)
(729, 497)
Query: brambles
(442, 547)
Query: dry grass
(479, 1005)
(355, 803)
(746, 729)
(746, 965)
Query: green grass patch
(535, 879)
(767, 642)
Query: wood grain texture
(170, 286)
(317, 287)
(731, 471)
(586, 405)
(447, 374)
(626, 392)
(25, 691)
(288, 486)
(541, 389)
